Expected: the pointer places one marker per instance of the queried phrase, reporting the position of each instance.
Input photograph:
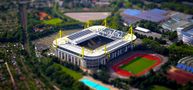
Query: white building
(186, 34)
(142, 29)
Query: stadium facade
(186, 34)
(93, 46)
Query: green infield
(138, 65)
(54, 21)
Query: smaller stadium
(137, 65)
(182, 73)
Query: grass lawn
(72, 73)
(53, 21)
(157, 87)
(138, 65)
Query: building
(155, 15)
(172, 25)
(177, 20)
(130, 16)
(142, 29)
(93, 46)
(186, 64)
(186, 34)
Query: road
(11, 76)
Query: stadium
(137, 64)
(93, 46)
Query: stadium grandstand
(186, 64)
(186, 34)
(93, 46)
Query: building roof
(180, 16)
(189, 33)
(154, 15)
(132, 12)
(142, 29)
(130, 19)
(173, 24)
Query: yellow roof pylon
(82, 55)
(129, 34)
(87, 24)
(60, 33)
(105, 49)
(104, 22)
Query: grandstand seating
(79, 34)
(185, 67)
(95, 42)
(109, 48)
(111, 33)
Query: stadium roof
(70, 42)
(132, 12)
(189, 33)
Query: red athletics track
(127, 73)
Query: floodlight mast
(104, 22)
(129, 34)
(82, 52)
(87, 24)
(60, 33)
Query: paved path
(11, 76)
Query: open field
(133, 67)
(72, 73)
(85, 16)
(53, 21)
(49, 39)
(141, 63)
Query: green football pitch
(138, 65)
